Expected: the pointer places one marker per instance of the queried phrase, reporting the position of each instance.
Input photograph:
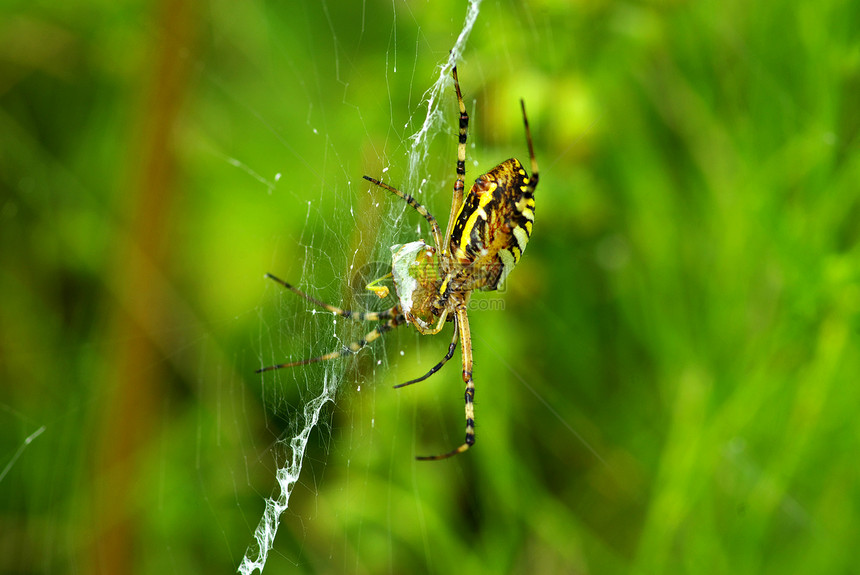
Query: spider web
(323, 382)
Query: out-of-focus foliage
(671, 387)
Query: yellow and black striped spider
(486, 236)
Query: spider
(487, 232)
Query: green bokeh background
(671, 387)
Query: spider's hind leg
(414, 204)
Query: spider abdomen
(494, 225)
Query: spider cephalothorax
(487, 233)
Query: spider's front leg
(393, 315)
(466, 344)
(451, 347)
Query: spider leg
(350, 349)
(533, 181)
(434, 225)
(459, 185)
(357, 316)
(466, 336)
(439, 365)
(426, 329)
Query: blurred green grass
(670, 388)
